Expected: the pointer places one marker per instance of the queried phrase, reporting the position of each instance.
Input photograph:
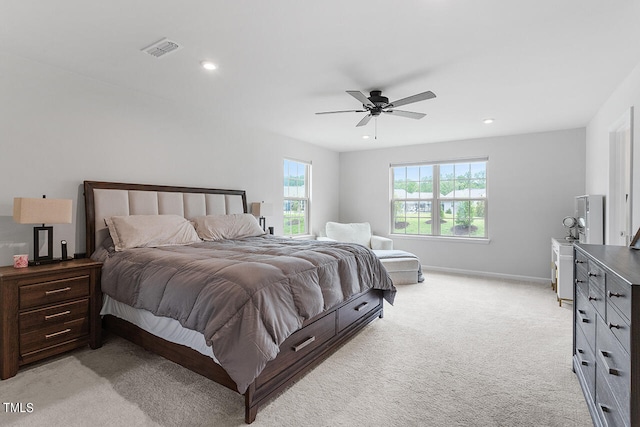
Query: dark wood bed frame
(301, 352)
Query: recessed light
(488, 121)
(208, 65)
(365, 136)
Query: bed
(252, 312)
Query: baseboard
(427, 268)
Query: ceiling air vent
(161, 48)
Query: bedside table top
(9, 271)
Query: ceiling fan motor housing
(378, 100)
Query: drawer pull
(579, 281)
(55, 334)
(604, 408)
(56, 291)
(614, 294)
(611, 371)
(362, 306)
(613, 325)
(582, 361)
(592, 298)
(304, 344)
(53, 316)
(593, 274)
(583, 318)
(578, 261)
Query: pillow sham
(149, 231)
(234, 226)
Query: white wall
(58, 129)
(597, 160)
(533, 179)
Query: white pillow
(234, 226)
(358, 232)
(139, 231)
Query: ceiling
(532, 65)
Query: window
(457, 191)
(297, 189)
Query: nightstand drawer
(54, 291)
(52, 335)
(56, 314)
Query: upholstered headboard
(105, 199)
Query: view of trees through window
(458, 189)
(296, 198)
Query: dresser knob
(614, 294)
(592, 274)
(613, 325)
(579, 261)
(592, 298)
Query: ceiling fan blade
(364, 120)
(361, 97)
(343, 111)
(410, 99)
(402, 113)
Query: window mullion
(435, 204)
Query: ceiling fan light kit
(376, 104)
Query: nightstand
(47, 310)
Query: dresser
(606, 333)
(47, 310)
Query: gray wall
(533, 179)
(58, 129)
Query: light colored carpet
(453, 351)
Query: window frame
(437, 199)
(306, 199)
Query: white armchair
(403, 267)
(359, 232)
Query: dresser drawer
(52, 335)
(582, 282)
(596, 278)
(586, 319)
(614, 364)
(620, 328)
(299, 344)
(586, 361)
(581, 272)
(619, 294)
(606, 405)
(54, 291)
(357, 308)
(53, 315)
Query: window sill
(475, 240)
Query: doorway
(620, 170)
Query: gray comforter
(245, 296)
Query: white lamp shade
(42, 211)
(261, 209)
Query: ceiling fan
(377, 104)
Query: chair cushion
(359, 232)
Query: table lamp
(261, 209)
(42, 211)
